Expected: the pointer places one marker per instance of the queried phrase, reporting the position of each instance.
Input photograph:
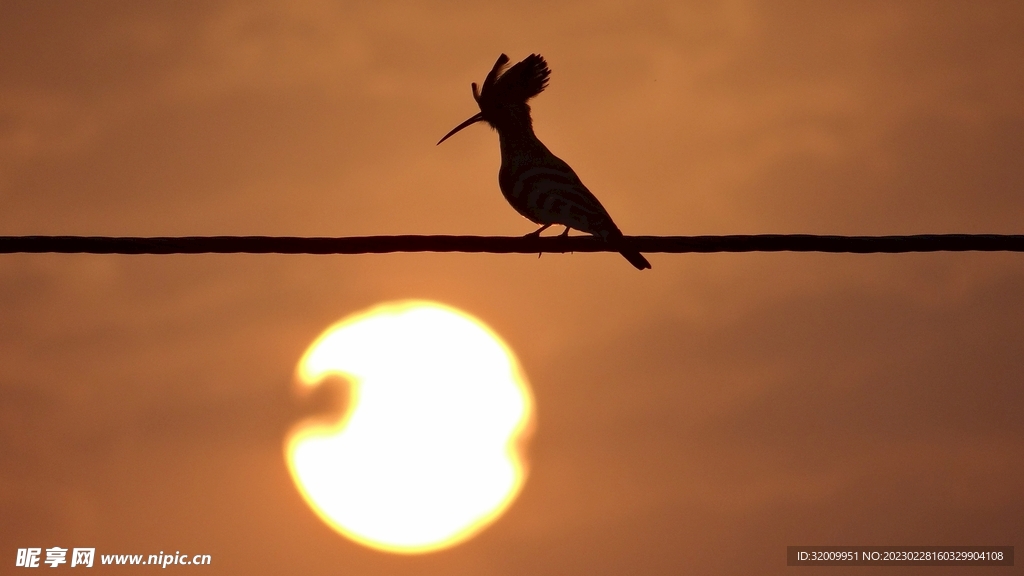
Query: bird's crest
(515, 85)
(505, 92)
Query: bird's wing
(555, 195)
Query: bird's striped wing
(549, 195)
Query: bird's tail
(635, 258)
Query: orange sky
(695, 418)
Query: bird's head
(504, 93)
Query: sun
(429, 450)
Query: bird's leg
(537, 232)
(565, 234)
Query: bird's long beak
(472, 120)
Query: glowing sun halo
(429, 450)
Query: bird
(538, 184)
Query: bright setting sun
(429, 449)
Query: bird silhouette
(538, 184)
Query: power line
(509, 245)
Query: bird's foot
(536, 233)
